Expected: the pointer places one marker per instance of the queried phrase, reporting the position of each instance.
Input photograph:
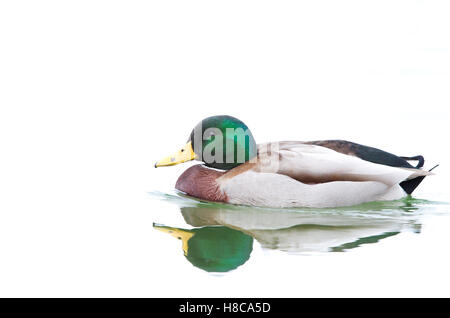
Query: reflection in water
(223, 234)
(213, 248)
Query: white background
(92, 93)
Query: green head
(221, 142)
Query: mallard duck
(327, 173)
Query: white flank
(276, 190)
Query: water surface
(218, 237)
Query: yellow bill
(181, 234)
(185, 154)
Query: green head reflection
(213, 248)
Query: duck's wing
(312, 164)
(367, 153)
(376, 155)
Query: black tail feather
(420, 160)
(410, 185)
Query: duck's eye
(182, 150)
